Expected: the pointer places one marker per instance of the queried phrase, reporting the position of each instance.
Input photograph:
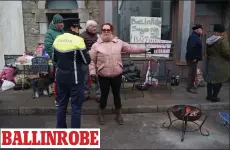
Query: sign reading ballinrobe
(146, 32)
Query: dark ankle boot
(215, 99)
(216, 89)
(101, 116)
(209, 92)
(119, 117)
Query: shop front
(178, 17)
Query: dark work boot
(216, 90)
(119, 117)
(101, 116)
(209, 91)
(215, 99)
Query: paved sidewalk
(155, 100)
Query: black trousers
(65, 92)
(213, 89)
(192, 73)
(115, 83)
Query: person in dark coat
(55, 29)
(67, 22)
(90, 36)
(70, 54)
(218, 59)
(193, 55)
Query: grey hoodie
(213, 39)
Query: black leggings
(213, 89)
(105, 83)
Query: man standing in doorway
(55, 29)
(90, 37)
(193, 55)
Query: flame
(188, 109)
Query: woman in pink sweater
(106, 66)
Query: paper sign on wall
(148, 30)
(145, 28)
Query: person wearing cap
(68, 22)
(90, 36)
(193, 55)
(55, 29)
(70, 54)
(218, 59)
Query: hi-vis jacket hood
(213, 39)
(68, 42)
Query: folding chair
(40, 66)
(155, 67)
(140, 79)
(225, 117)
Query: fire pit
(186, 113)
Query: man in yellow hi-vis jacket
(69, 55)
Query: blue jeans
(65, 92)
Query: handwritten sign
(145, 27)
(148, 30)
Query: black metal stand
(184, 125)
(226, 125)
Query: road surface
(141, 131)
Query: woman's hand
(147, 49)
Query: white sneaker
(56, 103)
(36, 94)
(45, 92)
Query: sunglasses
(106, 30)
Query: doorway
(207, 14)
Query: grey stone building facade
(38, 14)
(23, 24)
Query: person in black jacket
(70, 54)
(193, 55)
(90, 36)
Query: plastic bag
(199, 80)
(150, 78)
(6, 85)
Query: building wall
(227, 20)
(11, 30)
(35, 20)
(31, 27)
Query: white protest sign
(148, 30)
(161, 48)
(144, 27)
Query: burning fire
(188, 111)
